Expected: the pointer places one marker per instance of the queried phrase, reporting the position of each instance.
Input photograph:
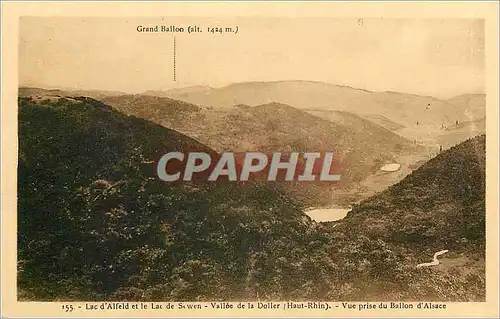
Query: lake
(327, 214)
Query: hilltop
(160, 110)
(447, 192)
(181, 91)
(45, 93)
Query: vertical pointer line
(175, 49)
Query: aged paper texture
(249, 159)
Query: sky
(441, 58)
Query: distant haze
(442, 58)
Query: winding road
(435, 261)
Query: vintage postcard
(249, 159)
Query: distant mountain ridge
(406, 110)
(180, 91)
(96, 94)
(401, 108)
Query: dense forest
(95, 223)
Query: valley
(362, 147)
(399, 201)
(363, 138)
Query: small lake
(327, 214)
(391, 167)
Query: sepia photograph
(287, 162)
(98, 106)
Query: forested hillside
(96, 223)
